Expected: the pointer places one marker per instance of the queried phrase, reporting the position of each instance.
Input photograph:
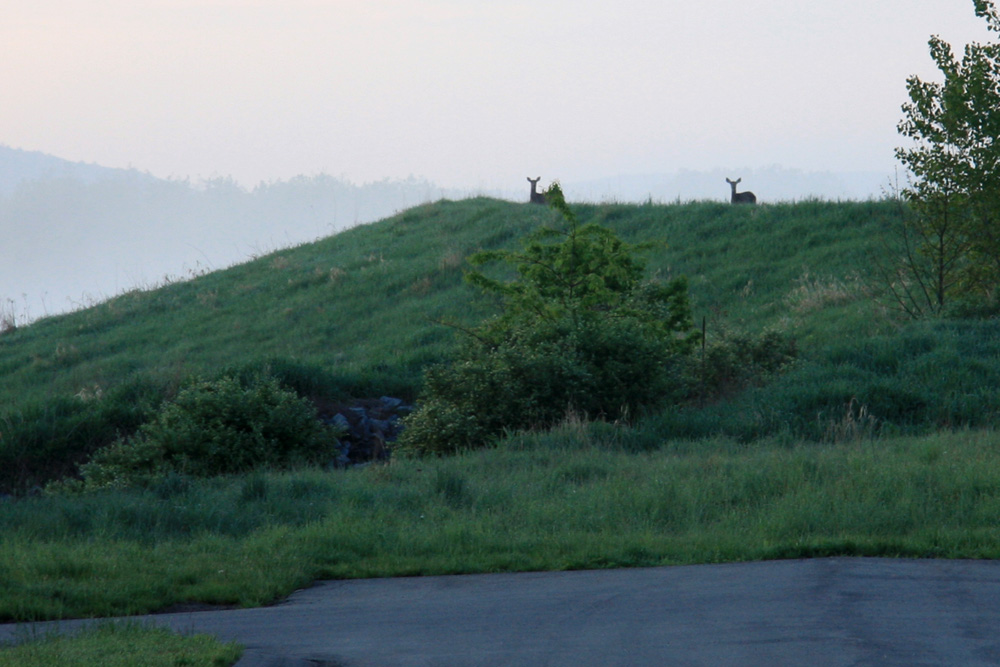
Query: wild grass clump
(45, 440)
(8, 316)
(176, 507)
(813, 293)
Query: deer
(741, 197)
(536, 196)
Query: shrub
(579, 333)
(440, 427)
(216, 427)
(733, 361)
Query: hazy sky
(466, 93)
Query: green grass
(361, 303)
(121, 645)
(356, 314)
(579, 497)
(923, 377)
(880, 440)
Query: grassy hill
(362, 303)
(358, 314)
(878, 440)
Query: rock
(340, 421)
(370, 426)
(391, 403)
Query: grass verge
(581, 496)
(121, 645)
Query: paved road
(838, 611)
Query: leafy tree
(922, 261)
(579, 331)
(951, 244)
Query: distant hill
(19, 166)
(72, 234)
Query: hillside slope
(366, 300)
(362, 313)
(19, 166)
(76, 236)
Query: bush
(442, 427)
(216, 427)
(580, 333)
(735, 361)
(538, 378)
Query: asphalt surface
(837, 611)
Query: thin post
(701, 399)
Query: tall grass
(925, 376)
(581, 496)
